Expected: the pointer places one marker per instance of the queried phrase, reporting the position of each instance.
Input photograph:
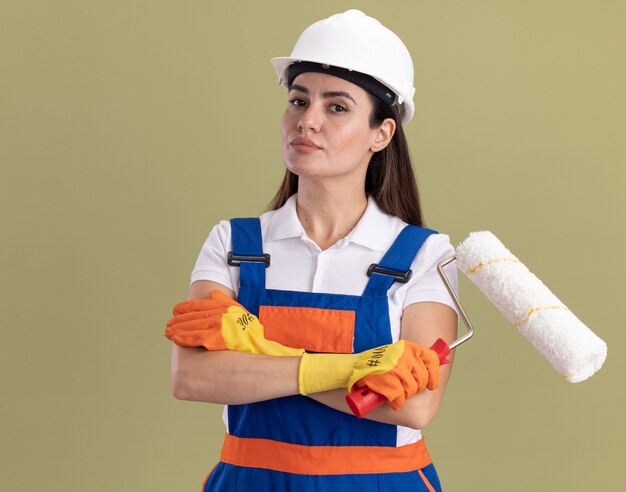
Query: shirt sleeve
(212, 261)
(426, 285)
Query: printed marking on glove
(377, 354)
(245, 319)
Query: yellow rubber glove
(221, 323)
(396, 371)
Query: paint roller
(571, 348)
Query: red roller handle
(362, 401)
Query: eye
(338, 108)
(298, 102)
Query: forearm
(417, 412)
(230, 377)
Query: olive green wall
(128, 128)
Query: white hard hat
(357, 42)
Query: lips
(303, 144)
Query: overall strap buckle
(398, 276)
(235, 260)
(397, 261)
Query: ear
(384, 134)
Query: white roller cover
(572, 348)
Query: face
(325, 128)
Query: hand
(396, 371)
(221, 323)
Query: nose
(310, 120)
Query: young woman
(336, 287)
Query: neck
(328, 213)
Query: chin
(302, 168)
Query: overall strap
(247, 252)
(395, 265)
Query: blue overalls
(295, 443)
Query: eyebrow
(328, 94)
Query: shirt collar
(285, 222)
(371, 231)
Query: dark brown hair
(390, 178)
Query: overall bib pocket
(313, 329)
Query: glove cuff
(323, 372)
